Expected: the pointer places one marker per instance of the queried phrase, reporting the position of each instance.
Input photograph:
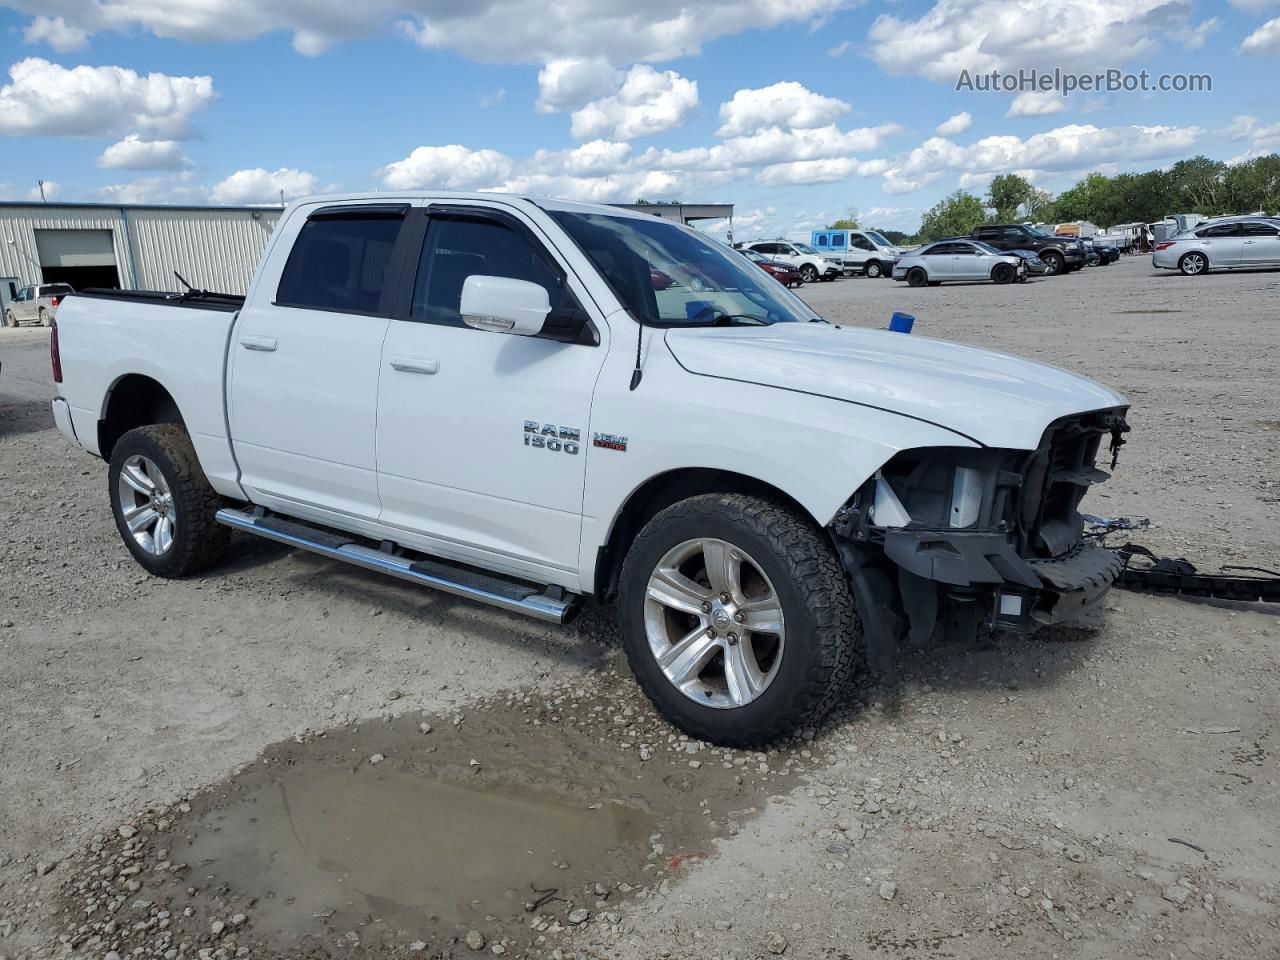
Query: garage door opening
(82, 278)
(82, 258)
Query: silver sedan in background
(1231, 243)
(958, 259)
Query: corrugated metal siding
(213, 248)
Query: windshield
(878, 238)
(703, 283)
(986, 247)
(804, 248)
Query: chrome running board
(551, 604)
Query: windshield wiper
(717, 319)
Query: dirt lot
(292, 757)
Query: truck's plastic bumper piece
(62, 419)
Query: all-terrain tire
(198, 540)
(823, 641)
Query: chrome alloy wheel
(146, 504)
(714, 623)
(1193, 264)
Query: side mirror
(504, 305)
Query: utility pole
(282, 199)
(40, 184)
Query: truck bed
(200, 299)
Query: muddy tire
(162, 502)
(916, 277)
(737, 619)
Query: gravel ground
(1103, 794)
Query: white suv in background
(812, 265)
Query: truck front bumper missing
(966, 581)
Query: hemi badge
(609, 441)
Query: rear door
(1261, 244)
(305, 359)
(938, 261)
(1223, 243)
(482, 437)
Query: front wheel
(1003, 273)
(737, 619)
(809, 273)
(916, 277)
(44, 317)
(874, 269)
(162, 502)
(1054, 263)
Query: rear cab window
(341, 260)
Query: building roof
(68, 205)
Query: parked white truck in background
(488, 395)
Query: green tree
(848, 222)
(1008, 194)
(953, 216)
(1254, 185)
(1199, 184)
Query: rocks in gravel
(394, 694)
(418, 946)
(1075, 853)
(578, 917)
(1175, 893)
(474, 940)
(888, 890)
(377, 758)
(424, 728)
(776, 943)
(128, 832)
(45, 867)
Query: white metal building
(131, 246)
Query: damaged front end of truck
(965, 539)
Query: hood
(994, 398)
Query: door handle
(414, 364)
(1248, 241)
(254, 342)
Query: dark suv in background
(1060, 254)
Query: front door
(305, 359)
(1222, 243)
(482, 437)
(1261, 246)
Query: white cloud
(494, 98)
(1037, 103)
(1067, 148)
(619, 32)
(646, 103)
(451, 167)
(1265, 41)
(164, 188)
(260, 186)
(986, 35)
(787, 104)
(1193, 38)
(809, 171)
(1261, 138)
(56, 32)
(840, 49)
(956, 123)
(134, 153)
(1255, 6)
(43, 98)
(568, 82)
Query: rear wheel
(737, 619)
(10, 319)
(916, 277)
(873, 269)
(809, 273)
(1193, 264)
(162, 502)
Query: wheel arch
(134, 400)
(661, 491)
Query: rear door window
(1258, 229)
(341, 263)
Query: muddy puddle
(504, 828)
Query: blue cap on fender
(901, 322)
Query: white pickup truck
(496, 397)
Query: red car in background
(784, 273)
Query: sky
(796, 111)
